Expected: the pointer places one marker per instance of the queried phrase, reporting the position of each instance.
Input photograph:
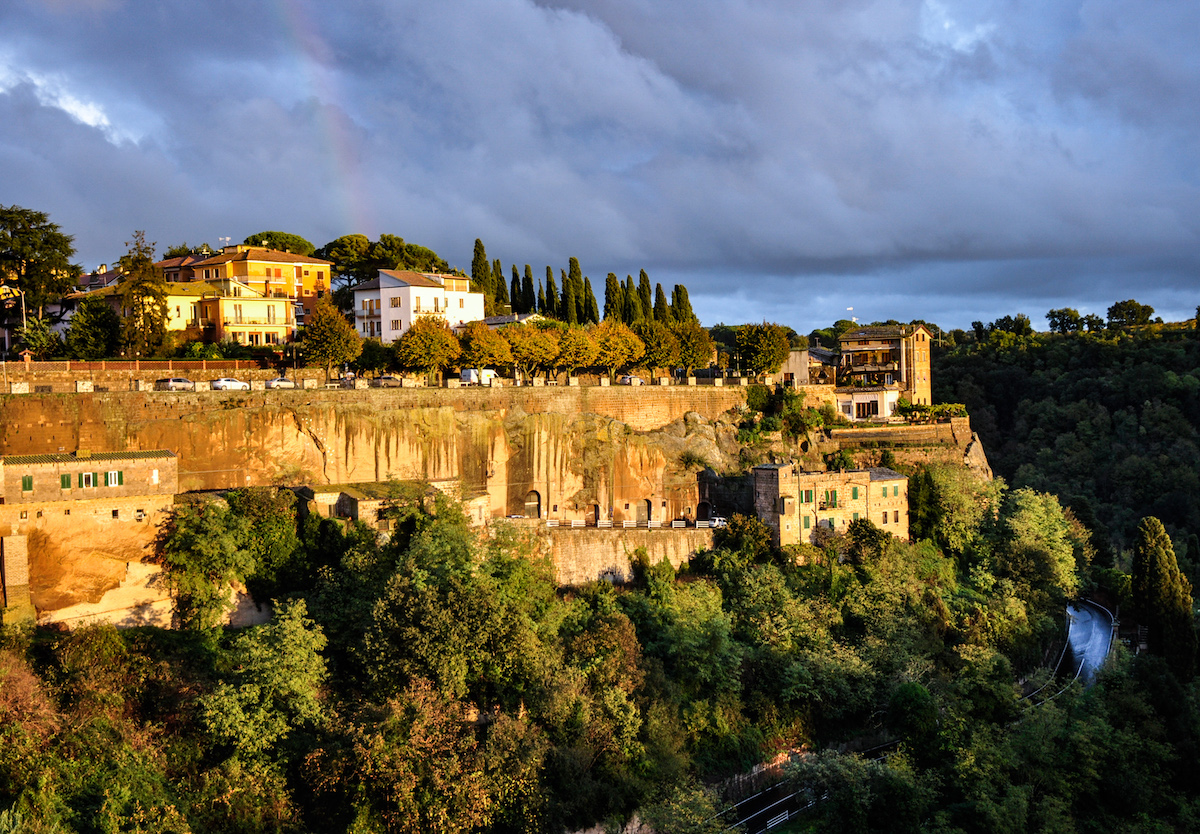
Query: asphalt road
(1090, 635)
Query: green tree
(481, 271)
(662, 310)
(282, 241)
(695, 345)
(348, 254)
(577, 349)
(575, 279)
(764, 347)
(569, 307)
(660, 345)
(614, 299)
(553, 308)
(201, 549)
(39, 339)
(517, 298)
(1162, 596)
(634, 311)
(95, 330)
(375, 357)
(483, 347)
(616, 346)
(1064, 320)
(645, 295)
(275, 684)
(681, 305)
(1129, 314)
(591, 310)
(499, 289)
(144, 299)
(428, 346)
(36, 255)
(1036, 547)
(328, 338)
(528, 294)
(271, 539)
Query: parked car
(717, 521)
(175, 383)
(386, 381)
(629, 379)
(228, 384)
(281, 382)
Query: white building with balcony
(386, 307)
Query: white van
(477, 376)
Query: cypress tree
(481, 273)
(499, 287)
(575, 276)
(681, 307)
(633, 303)
(662, 311)
(614, 299)
(514, 292)
(569, 308)
(528, 296)
(646, 295)
(591, 310)
(1162, 596)
(541, 299)
(552, 306)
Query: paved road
(1090, 635)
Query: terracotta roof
(71, 457)
(257, 253)
(415, 279)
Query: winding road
(1090, 634)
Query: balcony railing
(240, 320)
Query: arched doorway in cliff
(533, 504)
(703, 511)
(596, 517)
(643, 510)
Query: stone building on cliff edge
(794, 503)
(76, 507)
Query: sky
(786, 161)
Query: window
(808, 496)
(896, 489)
(24, 514)
(884, 491)
(395, 324)
(116, 513)
(271, 314)
(856, 516)
(154, 476)
(896, 516)
(806, 522)
(854, 496)
(417, 304)
(86, 480)
(394, 301)
(65, 481)
(114, 478)
(435, 304)
(66, 512)
(26, 483)
(885, 518)
(460, 304)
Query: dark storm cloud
(941, 158)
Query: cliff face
(574, 448)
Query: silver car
(229, 384)
(175, 383)
(281, 382)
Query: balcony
(236, 320)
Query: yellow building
(879, 366)
(270, 274)
(794, 503)
(183, 300)
(234, 311)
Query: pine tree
(481, 272)
(500, 287)
(681, 306)
(528, 295)
(1162, 596)
(662, 311)
(646, 295)
(144, 295)
(569, 307)
(614, 299)
(591, 310)
(515, 293)
(552, 306)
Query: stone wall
(584, 555)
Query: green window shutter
(833, 498)
(885, 491)
(106, 479)
(120, 477)
(26, 483)
(896, 490)
(65, 480)
(81, 480)
(856, 516)
(854, 496)
(96, 478)
(806, 522)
